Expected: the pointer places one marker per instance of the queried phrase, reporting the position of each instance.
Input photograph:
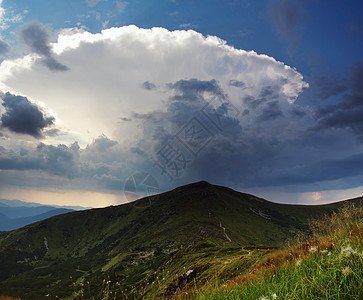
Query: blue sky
(85, 107)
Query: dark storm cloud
(286, 15)
(56, 160)
(192, 89)
(148, 85)
(270, 112)
(332, 169)
(97, 160)
(298, 111)
(24, 117)
(188, 99)
(349, 112)
(328, 86)
(21, 162)
(59, 160)
(36, 37)
(4, 48)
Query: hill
(8, 224)
(128, 243)
(15, 214)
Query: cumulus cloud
(230, 115)
(132, 56)
(22, 116)
(36, 37)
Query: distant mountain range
(127, 243)
(15, 214)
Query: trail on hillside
(224, 231)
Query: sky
(104, 101)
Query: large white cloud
(136, 88)
(107, 71)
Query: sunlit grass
(329, 266)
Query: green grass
(327, 275)
(143, 250)
(329, 268)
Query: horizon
(144, 194)
(101, 101)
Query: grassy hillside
(195, 227)
(328, 267)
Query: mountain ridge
(127, 242)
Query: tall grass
(329, 267)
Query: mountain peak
(196, 185)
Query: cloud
(328, 86)
(130, 57)
(121, 5)
(236, 83)
(125, 119)
(4, 48)
(148, 85)
(7, 17)
(24, 117)
(138, 74)
(188, 25)
(92, 3)
(348, 112)
(101, 144)
(52, 132)
(287, 15)
(192, 89)
(83, 166)
(328, 169)
(36, 37)
(270, 112)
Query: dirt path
(224, 231)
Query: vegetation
(201, 240)
(327, 267)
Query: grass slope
(187, 228)
(329, 267)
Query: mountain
(19, 203)
(128, 243)
(24, 211)
(15, 214)
(7, 223)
